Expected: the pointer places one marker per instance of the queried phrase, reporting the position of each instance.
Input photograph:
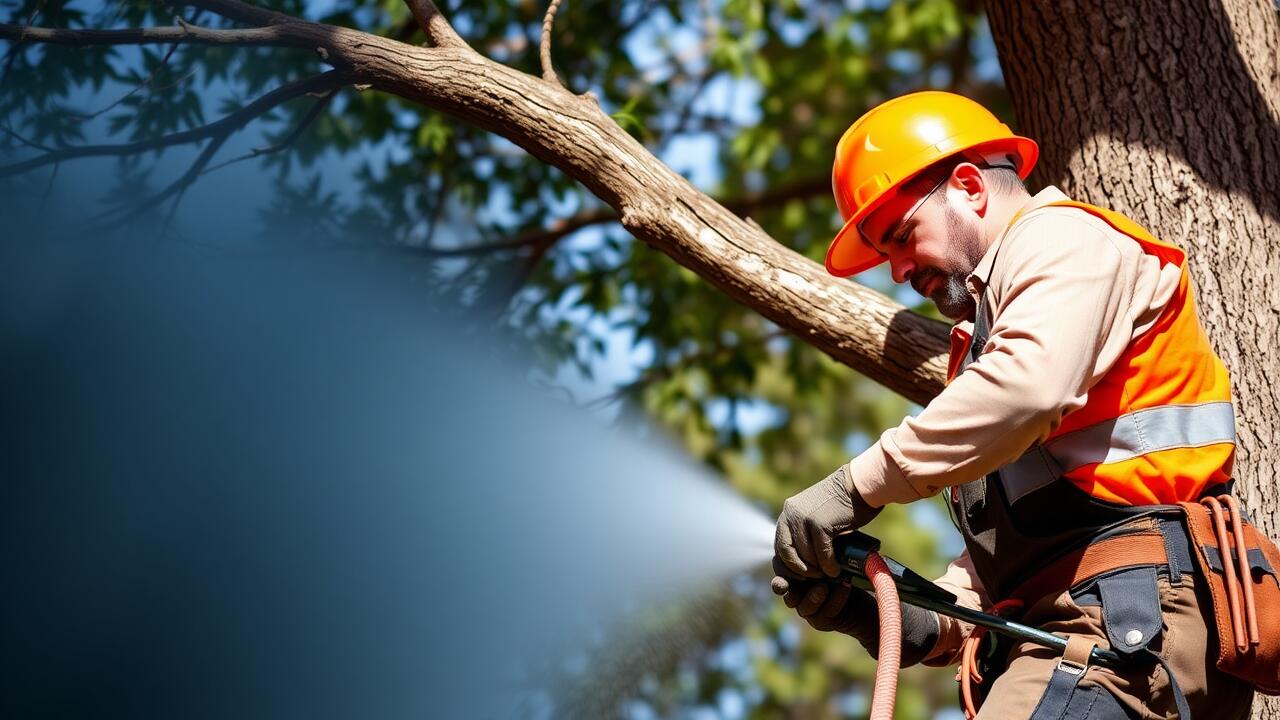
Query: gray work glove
(810, 521)
(829, 605)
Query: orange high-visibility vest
(1158, 428)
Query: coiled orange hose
(890, 658)
(1246, 574)
(968, 673)
(1234, 604)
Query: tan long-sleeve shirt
(1067, 295)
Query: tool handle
(853, 548)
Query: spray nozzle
(852, 549)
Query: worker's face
(932, 239)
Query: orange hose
(968, 673)
(1246, 574)
(890, 659)
(1234, 600)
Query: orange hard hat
(896, 140)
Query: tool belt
(1239, 565)
(1244, 586)
(1118, 572)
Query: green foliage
(767, 86)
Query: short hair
(1002, 179)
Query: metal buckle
(1071, 668)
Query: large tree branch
(860, 327)
(881, 339)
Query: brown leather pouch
(1245, 589)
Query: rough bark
(855, 325)
(1170, 114)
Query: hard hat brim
(849, 254)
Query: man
(1083, 400)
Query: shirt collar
(978, 279)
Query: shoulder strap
(981, 328)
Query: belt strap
(1056, 701)
(1104, 556)
(1179, 699)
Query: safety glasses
(909, 214)
(906, 218)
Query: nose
(902, 267)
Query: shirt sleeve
(961, 580)
(1061, 293)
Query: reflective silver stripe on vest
(1145, 431)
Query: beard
(952, 294)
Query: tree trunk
(1170, 114)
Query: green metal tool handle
(852, 549)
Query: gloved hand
(831, 606)
(810, 520)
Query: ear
(970, 187)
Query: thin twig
(224, 130)
(151, 76)
(124, 213)
(513, 243)
(138, 88)
(544, 48)
(434, 24)
(288, 140)
(184, 33)
(530, 238)
(17, 44)
(317, 83)
(25, 141)
(662, 372)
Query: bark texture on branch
(901, 350)
(883, 340)
(1170, 114)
